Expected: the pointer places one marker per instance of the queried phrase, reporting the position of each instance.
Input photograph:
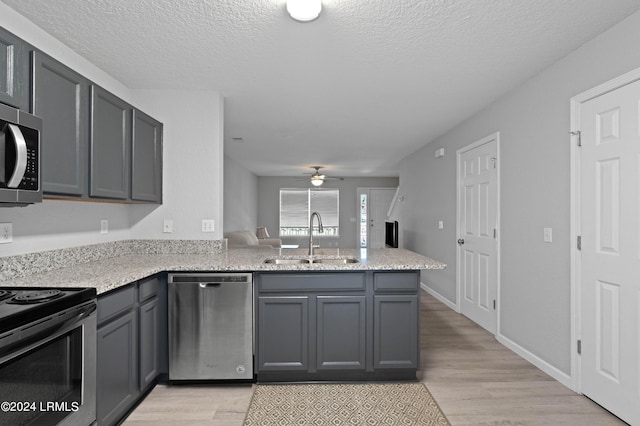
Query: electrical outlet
(167, 226)
(207, 225)
(6, 232)
(548, 235)
(104, 226)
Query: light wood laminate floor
(474, 379)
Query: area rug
(344, 404)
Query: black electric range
(22, 305)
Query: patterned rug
(344, 404)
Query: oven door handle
(43, 335)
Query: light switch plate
(440, 224)
(548, 235)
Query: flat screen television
(391, 234)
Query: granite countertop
(108, 274)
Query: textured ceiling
(356, 90)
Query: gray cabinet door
(149, 342)
(117, 371)
(14, 71)
(110, 136)
(395, 331)
(60, 98)
(146, 172)
(341, 325)
(283, 324)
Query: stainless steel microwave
(20, 182)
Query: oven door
(47, 370)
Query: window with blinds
(296, 206)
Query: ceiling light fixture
(316, 180)
(304, 10)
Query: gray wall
(269, 199)
(240, 197)
(533, 121)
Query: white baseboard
(438, 296)
(543, 365)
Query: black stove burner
(24, 305)
(5, 294)
(36, 296)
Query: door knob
(460, 241)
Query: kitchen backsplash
(33, 263)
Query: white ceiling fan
(318, 178)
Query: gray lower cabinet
(14, 70)
(149, 316)
(341, 332)
(117, 374)
(395, 329)
(337, 325)
(110, 145)
(60, 97)
(131, 345)
(283, 342)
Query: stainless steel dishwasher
(210, 326)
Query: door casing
(575, 211)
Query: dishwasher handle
(209, 285)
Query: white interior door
(478, 208)
(609, 280)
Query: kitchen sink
(287, 261)
(298, 261)
(339, 261)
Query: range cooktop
(22, 305)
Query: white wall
(240, 197)
(533, 121)
(193, 166)
(269, 206)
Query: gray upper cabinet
(94, 144)
(14, 70)
(146, 171)
(110, 136)
(60, 98)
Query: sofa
(248, 239)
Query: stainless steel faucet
(320, 229)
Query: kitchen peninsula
(341, 314)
